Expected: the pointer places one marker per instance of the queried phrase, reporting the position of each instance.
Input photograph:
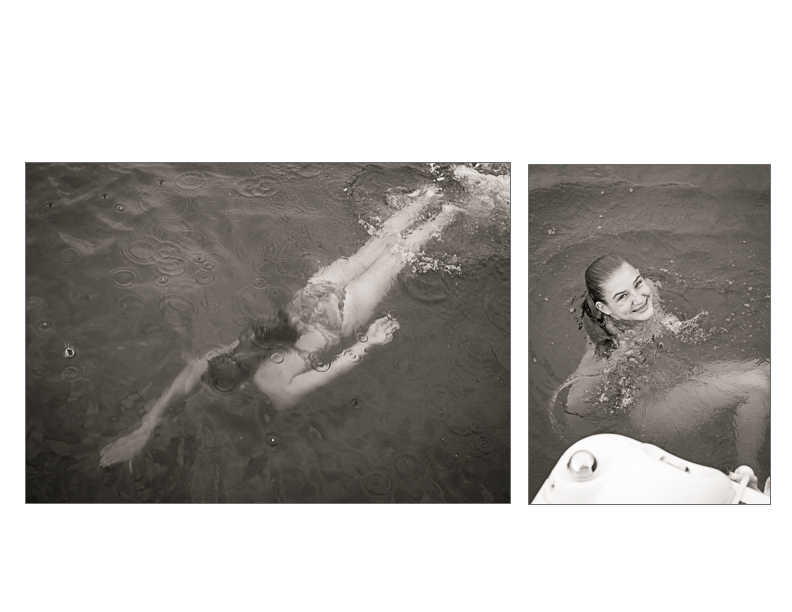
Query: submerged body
(302, 348)
(626, 373)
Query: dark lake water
(136, 268)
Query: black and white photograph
(649, 345)
(253, 332)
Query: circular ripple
(168, 250)
(49, 213)
(84, 217)
(248, 297)
(274, 442)
(120, 208)
(259, 283)
(202, 277)
(138, 251)
(130, 305)
(361, 337)
(162, 202)
(341, 490)
(162, 280)
(72, 372)
(426, 288)
(45, 326)
(439, 402)
(482, 445)
(38, 371)
(377, 484)
(236, 214)
(223, 384)
(256, 187)
(69, 255)
(211, 304)
(190, 180)
(178, 310)
(171, 266)
(277, 357)
(406, 465)
(123, 277)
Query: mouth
(643, 306)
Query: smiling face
(627, 295)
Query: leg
(366, 292)
(344, 270)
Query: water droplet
(259, 283)
(49, 213)
(354, 403)
(361, 337)
(45, 326)
(50, 204)
(69, 255)
(163, 280)
(274, 442)
(104, 196)
(120, 208)
(69, 352)
(161, 181)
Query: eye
(639, 282)
(621, 297)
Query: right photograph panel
(649, 334)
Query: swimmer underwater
(622, 315)
(280, 356)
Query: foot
(410, 212)
(381, 331)
(124, 449)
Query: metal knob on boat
(582, 465)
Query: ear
(600, 306)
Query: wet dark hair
(594, 320)
(258, 341)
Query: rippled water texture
(703, 232)
(133, 269)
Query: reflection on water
(702, 233)
(138, 268)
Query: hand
(126, 448)
(381, 331)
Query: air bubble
(69, 352)
(277, 357)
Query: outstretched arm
(184, 385)
(379, 332)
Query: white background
(565, 82)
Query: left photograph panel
(259, 332)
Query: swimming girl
(282, 357)
(623, 316)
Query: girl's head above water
(616, 289)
